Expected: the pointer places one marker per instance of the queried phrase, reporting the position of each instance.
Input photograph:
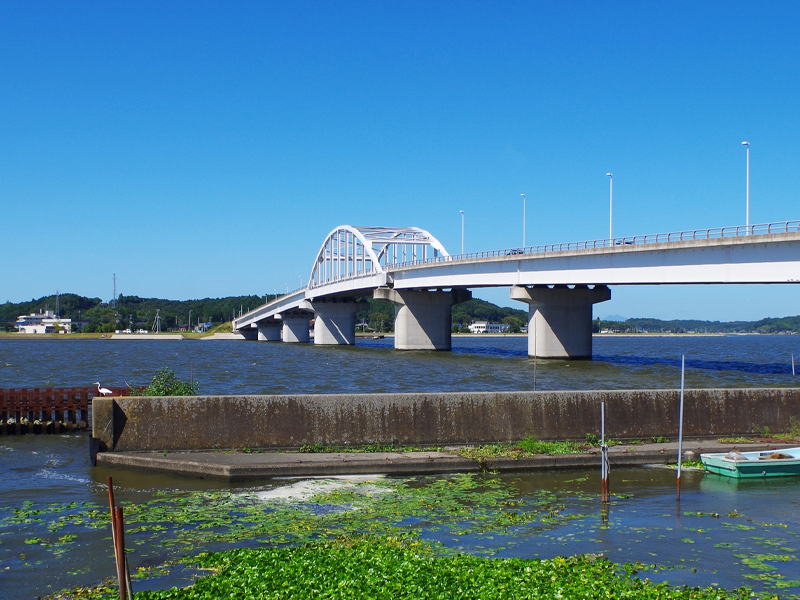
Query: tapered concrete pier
(560, 319)
(422, 317)
(335, 322)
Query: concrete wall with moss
(220, 422)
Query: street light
(523, 221)
(610, 205)
(747, 222)
(190, 321)
(462, 231)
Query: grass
(530, 446)
(377, 447)
(394, 568)
(525, 448)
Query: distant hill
(377, 315)
(131, 311)
(770, 325)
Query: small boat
(378, 337)
(746, 465)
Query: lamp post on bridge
(610, 205)
(462, 231)
(301, 280)
(747, 216)
(523, 221)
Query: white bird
(101, 390)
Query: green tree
(166, 383)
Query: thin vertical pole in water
(119, 547)
(680, 425)
(792, 365)
(113, 518)
(536, 352)
(604, 495)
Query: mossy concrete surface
(435, 419)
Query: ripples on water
(475, 364)
(55, 469)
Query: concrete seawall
(219, 422)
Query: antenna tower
(115, 290)
(157, 322)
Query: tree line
(133, 312)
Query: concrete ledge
(255, 466)
(435, 419)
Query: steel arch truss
(356, 251)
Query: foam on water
(300, 491)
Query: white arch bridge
(560, 282)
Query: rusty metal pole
(113, 518)
(119, 546)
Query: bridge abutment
(422, 318)
(295, 328)
(560, 319)
(269, 331)
(335, 322)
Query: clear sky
(206, 149)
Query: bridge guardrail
(656, 238)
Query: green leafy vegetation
(525, 448)
(393, 568)
(131, 312)
(484, 513)
(166, 383)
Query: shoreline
(170, 336)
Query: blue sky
(206, 149)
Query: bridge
(410, 268)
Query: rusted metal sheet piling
(48, 410)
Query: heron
(101, 390)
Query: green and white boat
(749, 465)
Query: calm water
(51, 472)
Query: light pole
(747, 221)
(462, 231)
(610, 206)
(301, 280)
(523, 221)
(287, 288)
(190, 321)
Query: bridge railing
(655, 238)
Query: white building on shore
(43, 322)
(486, 327)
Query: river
(722, 533)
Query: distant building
(486, 327)
(43, 322)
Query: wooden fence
(48, 410)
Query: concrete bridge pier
(422, 318)
(560, 319)
(335, 322)
(296, 326)
(270, 331)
